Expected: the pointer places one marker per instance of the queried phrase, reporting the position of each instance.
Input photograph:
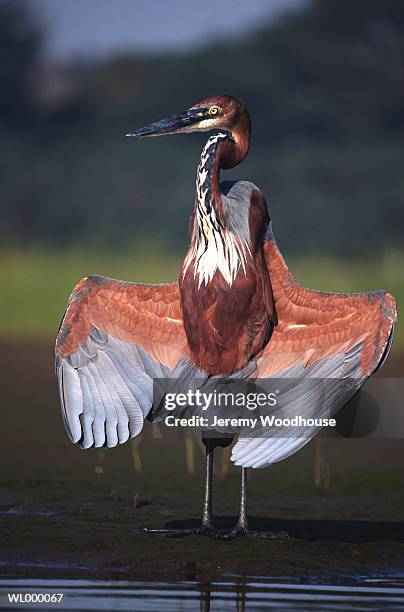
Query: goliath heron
(236, 305)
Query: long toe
(170, 533)
(236, 532)
(207, 530)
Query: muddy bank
(77, 530)
(81, 512)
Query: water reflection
(238, 594)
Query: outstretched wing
(115, 338)
(332, 336)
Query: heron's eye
(214, 110)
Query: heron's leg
(242, 523)
(206, 527)
(241, 527)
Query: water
(231, 593)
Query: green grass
(35, 284)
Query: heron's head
(217, 112)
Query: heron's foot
(238, 531)
(203, 529)
(170, 533)
(207, 530)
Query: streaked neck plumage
(215, 246)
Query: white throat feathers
(214, 247)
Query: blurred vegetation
(325, 87)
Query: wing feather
(316, 324)
(115, 338)
(337, 338)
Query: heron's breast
(218, 319)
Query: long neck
(213, 246)
(224, 149)
(207, 197)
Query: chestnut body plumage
(227, 324)
(236, 311)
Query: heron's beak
(170, 125)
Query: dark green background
(324, 85)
